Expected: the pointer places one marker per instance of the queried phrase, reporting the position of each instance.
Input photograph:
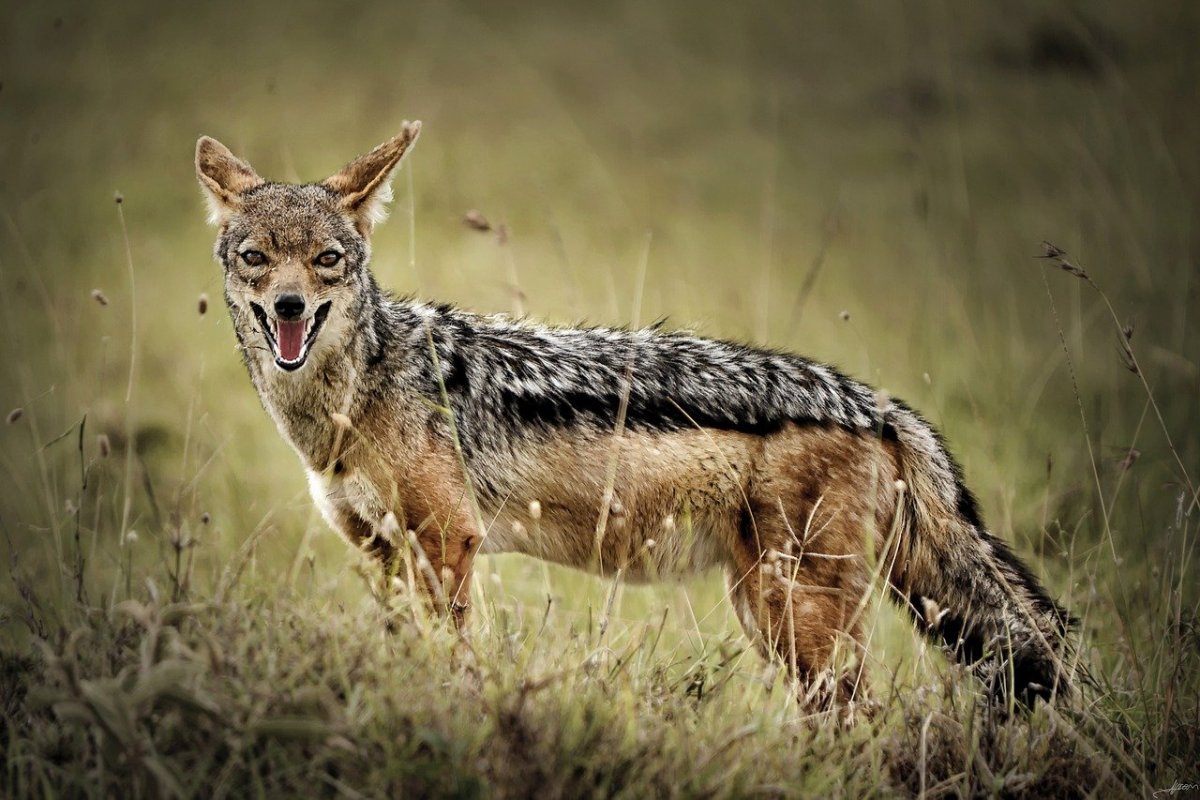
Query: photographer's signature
(1179, 786)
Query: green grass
(185, 624)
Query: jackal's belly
(652, 504)
(643, 549)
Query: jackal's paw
(837, 697)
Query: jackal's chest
(347, 495)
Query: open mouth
(291, 340)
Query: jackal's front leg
(442, 558)
(440, 534)
(434, 555)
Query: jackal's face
(295, 256)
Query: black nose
(289, 306)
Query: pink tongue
(291, 339)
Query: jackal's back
(511, 381)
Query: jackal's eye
(254, 258)
(329, 258)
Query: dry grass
(177, 621)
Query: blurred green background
(865, 183)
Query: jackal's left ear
(224, 178)
(365, 183)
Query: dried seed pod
(1058, 254)
(931, 611)
(1052, 251)
(1129, 459)
(476, 221)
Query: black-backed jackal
(430, 430)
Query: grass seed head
(930, 610)
(883, 400)
(475, 220)
(1059, 255)
(1129, 459)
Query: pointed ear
(224, 178)
(365, 183)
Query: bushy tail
(963, 585)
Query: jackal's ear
(365, 183)
(224, 178)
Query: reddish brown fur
(803, 518)
(795, 517)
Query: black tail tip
(1025, 678)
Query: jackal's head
(295, 255)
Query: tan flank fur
(430, 435)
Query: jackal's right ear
(224, 178)
(364, 184)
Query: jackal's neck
(310, 404)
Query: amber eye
(329, 258)
(254, 258)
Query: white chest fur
(345, 493)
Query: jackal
(433, 434)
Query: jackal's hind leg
(803, 608)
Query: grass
(865, 185)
